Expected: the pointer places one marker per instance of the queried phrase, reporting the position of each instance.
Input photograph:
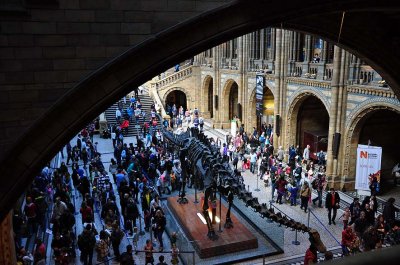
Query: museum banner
(259, 94)
(368, 165)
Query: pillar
(278, 72)
(331, 168)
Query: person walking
(332, 204)
(160, 222)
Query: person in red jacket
(311, 255)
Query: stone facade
(345, 97)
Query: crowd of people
(129, 190)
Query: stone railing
(371, 91)
(308, 82)
(173, 78)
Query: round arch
(208, 95)
(180, 89)
(226, 106)
(295, 101)
(354, 126)
(251, 110)
(112, 81)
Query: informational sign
(259, 94)
(368, 165)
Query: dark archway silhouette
(210, 99)
(178, 98)
(103, 87)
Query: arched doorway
(381, 128)
(178, 98)
(267, 116)
(312, 125)
(210, 97)
(233, 101)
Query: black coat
(328, 200)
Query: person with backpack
(86, 243)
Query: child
(174, 255)
(346, 216)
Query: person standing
(311, 255)
(253, 161)
(332, 204)
(160, 223)
(148, 248)
(305, 194)
(86, 243)
(126, 257)
(389, 212)
(319, 186)
(306, 154)
(102, 248)
(116, 237)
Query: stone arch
(188, 97)
(294, 102)
(251, 110)
(207, 103)
(353, 126)
(224, 101)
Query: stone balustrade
(371, 91)
(173, 78)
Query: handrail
(310, 211)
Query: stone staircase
(134, 129)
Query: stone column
(341, 121)
(7, 245)
(331, 168)
(216, 84)
(324, 53)
(286, 40)
(278, 72)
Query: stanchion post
(257, 189)
(295, 242)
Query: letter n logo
(363, 154)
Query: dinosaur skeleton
(212, 173)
